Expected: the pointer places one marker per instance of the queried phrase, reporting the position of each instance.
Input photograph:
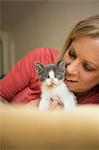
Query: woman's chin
(72, 85)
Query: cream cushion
(26, 128)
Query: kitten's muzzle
(52, 82)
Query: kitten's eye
(58, 76)
(72, 53)
(87, 67)
(47, 75)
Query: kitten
(52, 84)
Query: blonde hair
(86, 27)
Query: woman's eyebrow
(72, 47)
(87, 61)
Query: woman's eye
(72, 54)
(87, 67)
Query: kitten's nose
(52, 81)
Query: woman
(81, 55)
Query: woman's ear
(38, 66)
(61, 64)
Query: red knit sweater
(22, 85)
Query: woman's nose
(72, 68)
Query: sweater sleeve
(23, 73)
(17, 78)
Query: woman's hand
(55, 104)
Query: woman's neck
(82, 94)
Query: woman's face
(82, 65)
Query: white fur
(67, 97)
(51, 80)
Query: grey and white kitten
(52, 84)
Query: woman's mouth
(69, 80)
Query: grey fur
(43, 71)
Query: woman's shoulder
(45, 50)
(44, 55)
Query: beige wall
(31, 24)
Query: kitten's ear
(38, 66)
(61, 64)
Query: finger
(56, 98)
(53, 105)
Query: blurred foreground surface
(24, 128)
